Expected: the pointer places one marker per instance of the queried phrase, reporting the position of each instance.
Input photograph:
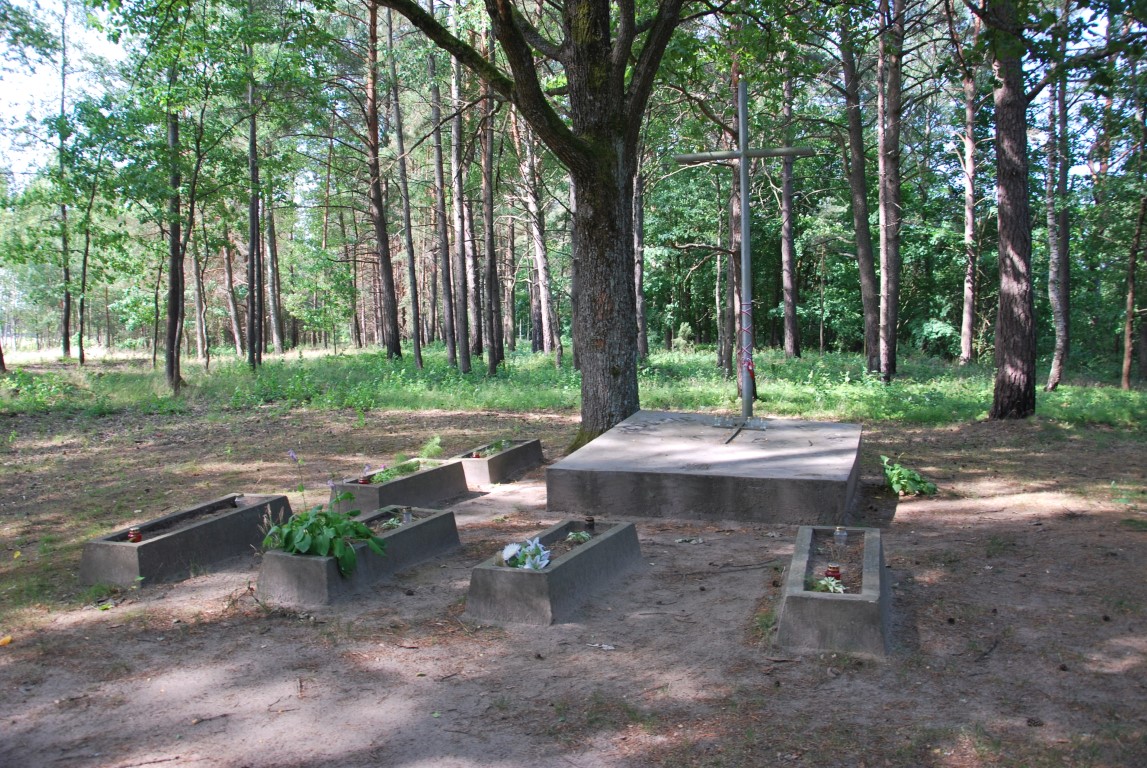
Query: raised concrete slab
(844, 623)
(502, 594)
(700, 466)
(176, 544)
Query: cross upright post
(742, 155)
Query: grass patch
(832, 387)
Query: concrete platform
(700, 466)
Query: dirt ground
(1019, 599)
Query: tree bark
(473, 283)
(65, 247)
(889, 107)
(443, 244)
(1014, 391)
(639, 266)
(1129, 307)
(858, 188)
(457, 209)
(788, 250)
(273, 281)
(229, 287)
(174, 255)
(610, 64)
(495, 351)
(254, 238)
(388, 301)
(1058, 268)
(404, 190)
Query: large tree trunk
(788, 249)
(495, 351)
(858, 188)
(1014, 395)
(174, 256)
(404, 190)
(889, 106)
(609, 80)
(388, 301)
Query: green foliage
(578, 537)
(904, 481)
(323, 533)
(432, 448)
(827, 584)
(398, 470)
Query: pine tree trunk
(889, 107)
(388, 301)
(457, 209)
(858, 187)
(254, 238)
(639, 265)
(274, 287)
(443, 244)
(404, 190)
(174, 256)
(1014, 393)
(788, 249)
(1129, 307)
(509, 293)
(473, 284)
(495, 351)
(971, 255)
(229, 287)
(1058, 268)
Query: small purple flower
(331, 483)
(366, 469)
(293, 456)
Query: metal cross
(743, 154)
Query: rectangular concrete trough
(518, 457)
(843, 623)
(175, 544)
(306, 580)
(555, 593)
(435, 482)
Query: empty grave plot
(856, 621)
(308, 580)
(416, 482)
(554, 593)
(172, 546)
(500, 461)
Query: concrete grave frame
(501, 467)
(175, 550)
(307, 580)
(436, 481)
(553, 594)
(844, 623)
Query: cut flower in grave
(530, 556)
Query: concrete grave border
(439, 480)
(844, 623)
(553, 594)
(172, 555)
(503, 466)
(307, 580)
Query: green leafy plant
(432, 448)
(828, 584)
(323, 533)
(492, 449)
(906, 482)
(578, 537)
(398, 470)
